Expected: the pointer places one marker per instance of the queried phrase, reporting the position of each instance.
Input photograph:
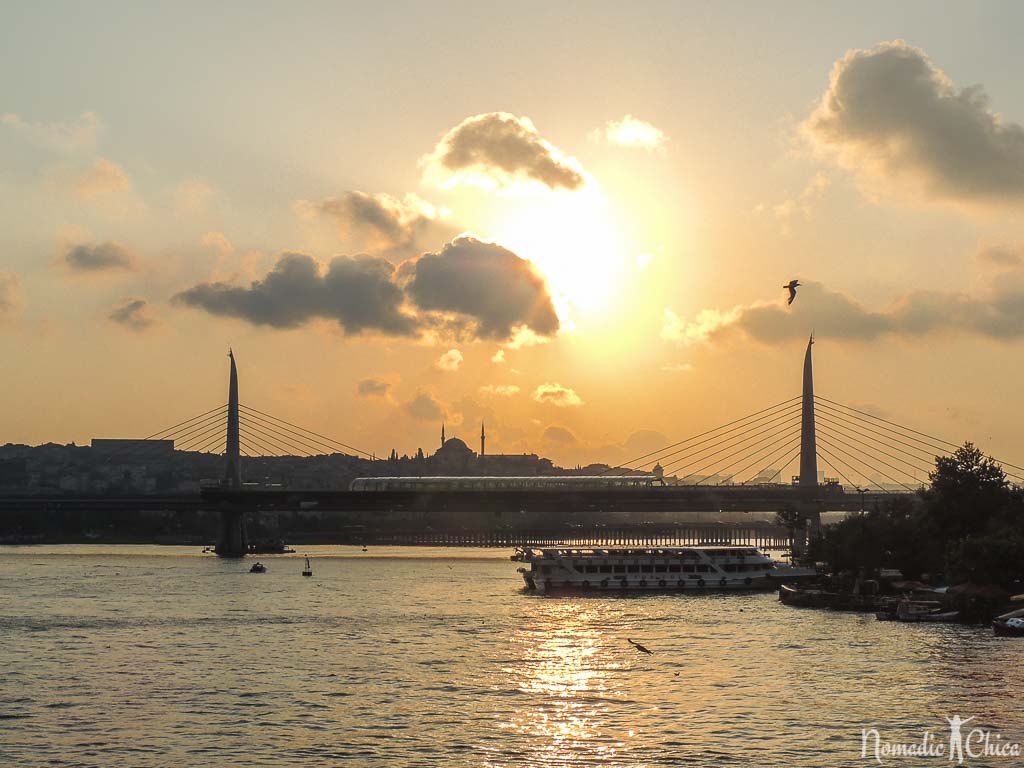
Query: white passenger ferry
(646, 568)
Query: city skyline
(399, 218)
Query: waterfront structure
(713, 566)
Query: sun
(575, 243)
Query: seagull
(639, 647)
(792, 285)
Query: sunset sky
(570, 220)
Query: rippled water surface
(146, 656)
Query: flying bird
(792, 285)
(639, 647)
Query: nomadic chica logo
(954, 744)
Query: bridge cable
(870, 466)
(747, 428)
(312, 445)
(855, 486)
(700, 455)
(856, 471)
(187, 445)
(626, 466)
(768, 466)
(309, 431)
(786, 431)
(283, 446)
(841, 431)
(851, 423)
(733, 444)
(839, 438)
(954, 446)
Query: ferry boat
(646, 568)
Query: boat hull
(644, 585)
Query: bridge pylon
(232, 541)
(810, 504)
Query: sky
(570, 221)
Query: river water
(159, 656)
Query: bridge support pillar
(233, 541)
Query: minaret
(483, 439)
(808, 445)
(232, 453)
(442, 434)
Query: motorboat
(258, 567)
(918, 610)
(1009, 624)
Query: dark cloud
(134, 314)
(1003, 255)
(8, 294)
(373, 388)
(891, 110)
(358, 292)
(559, 435)
(98, 257)
(491, 285)
(503, 148)
(998, 315)
(379, 222)
(425, 407)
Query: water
(156, 656)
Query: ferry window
(620, 569)
(688, 569)
(605, 569)
(646, 569)
(660, 568)
(701, 568)
(632, 569)
(591, 569)
(729, 567)
(674, 568)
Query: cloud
(556, 394)
(133, 314)
(450, 360)
(357, 292)
(67, 136)
(498, 357)
(495, 288)
(678, 368)
(373, 388)
(424, 407)
(468, 288)
(99, 257)
(558, 435)
(889, 110)
(801, 205)
(998, 315)
(1004, 255)
(631, 132)
(100, 179)
(193, 195)
(497, 150)
(379, 222)
(499, 390)
(9, 294)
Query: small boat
(1009, 624)
(918, 610)
(308, 571)
(258, 568)
(364, 547)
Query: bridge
(734, 468)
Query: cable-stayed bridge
(740, 466)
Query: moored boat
(647, 569)
(1009, 624)
(918, 610)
